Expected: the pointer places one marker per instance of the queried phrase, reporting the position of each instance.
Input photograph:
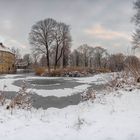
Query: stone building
(7, 60)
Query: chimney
(1, 44)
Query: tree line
(51, 46)
(95, 58)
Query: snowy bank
(61, 92)
(114, 116)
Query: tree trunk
(58, 58)
(64, 60)
(47, 57)
(56, 55)
(63, 57)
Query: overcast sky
(103, 23)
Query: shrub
(132, 66)
(22, 99)
(102, 70)
(40, 70)
(56, 73)
(90, 94)
(2, 98)
(121, 80)
(2, 95)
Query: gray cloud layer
(113, 16)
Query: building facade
(7, 60)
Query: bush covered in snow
(89, 94)
(2, 96)
(22, 98)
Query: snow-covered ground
(96, 79)
(61, 92)
(113, 116)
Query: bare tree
(27, 58)
(41, 37)
(84, 49)
(62, 40)
(43, 61)
(34, 58)
(132, 61)
(16, 52)
(116, 62)
(65, 55)
(136, 20)
(75, 58)
(99, 54)
(136, 39)
(66, 45)
(49, 37)
(88, 56)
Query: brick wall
(7, 62)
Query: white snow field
(113, 116)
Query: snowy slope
(112, 117)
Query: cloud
(114, 16)
(15, 43)
(101, 32)
(7, 24)
(1, 38)
(10, 42)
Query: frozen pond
(52, 91)
(49, 84)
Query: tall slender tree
(62, 41)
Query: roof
(22, 64)
(5, 49)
